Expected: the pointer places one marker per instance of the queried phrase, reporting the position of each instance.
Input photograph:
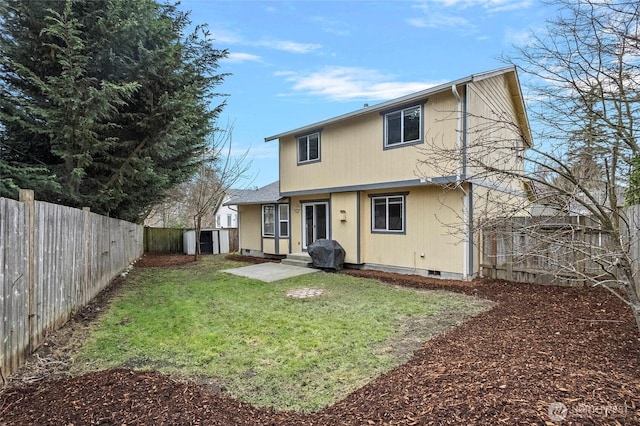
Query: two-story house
(355, 179)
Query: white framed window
(272, 217)
(403, 127)
(283, 220)
(268, 220)
(228, 220)
(309, 148)
(388, 213)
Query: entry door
(315, 222)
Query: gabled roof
(513, 84)
(267, 194)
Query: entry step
(301, 259)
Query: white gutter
(465, 195)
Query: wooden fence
(172, 240)
(53, 261)
(561, 250)
(163, 240)
(234, 240)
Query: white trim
(304, 221)
(274, 220)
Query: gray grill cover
(326, 254)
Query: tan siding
(427, 210)
(296, 226)
(441, 135)
(344, 209)
(492, 131)
(269, 246)
(352, 153)
(250, 227)
(283, 246)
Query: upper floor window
(309, 148)
(387, 213)
(403, 126)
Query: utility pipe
(465, 195)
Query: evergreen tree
(114, 103)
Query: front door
(315, 222)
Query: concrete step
(298, 259)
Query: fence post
(509, 246)
(581, 257)
(27, 196)
(87, 256)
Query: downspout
(459, 176)
(459, 129)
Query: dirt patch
(163, 261)
(415, 331)
(572, 350)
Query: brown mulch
(537, 346)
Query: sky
(294, 63)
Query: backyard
(188, 344)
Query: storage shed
(212, 241)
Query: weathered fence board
(14, 333)
(67, 258)
(234, 240)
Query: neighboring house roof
(267, 194)
(509, 72)
(235, 193)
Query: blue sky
(297, 62)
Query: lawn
(247, 338)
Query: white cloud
(350, 83)
(287, 46)
(488, 5)
(520, 37)
(439, 20)
(231, 37)
(239, 57)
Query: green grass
(263, 347)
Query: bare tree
(583, 87)
(219, 171)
